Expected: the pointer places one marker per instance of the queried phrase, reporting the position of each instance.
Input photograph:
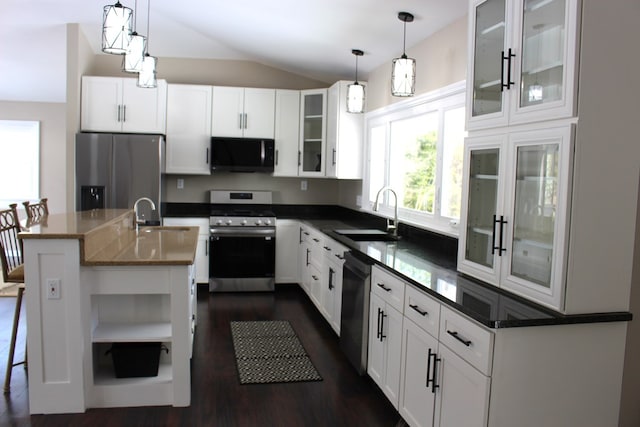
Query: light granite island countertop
(93, 280)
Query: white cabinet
(344, 135)
(311, 260)
(522, 61)
(332, 282)
(188, 129)
(439, 387)
(287, 132)
(385, 332)
(514, 217)
(202, 250)
(385, 345)
(111, 104)
(287, 232)
(313, 113)
(243, 112)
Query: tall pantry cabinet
(543, 161)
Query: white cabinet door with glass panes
(313, 113)
(522, 61)
(515, 211)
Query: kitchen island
(94, 280)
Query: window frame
(29, 167)
(441, 100)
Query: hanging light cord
(404, 40)
(135, 17)
(148, 30)
(356, 69)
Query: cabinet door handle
(508, 59)
(246, 121)
(326, 248)
(124, 113)
(416, 308)
(314, 277)
(432, 380)
(206, 158)
(206, 249)
(503, 222)
(239, 120)
(382, 335)
(308, 256)
(334, 157)
(119, 108)
(493, 236)
(381, 285)
(299, 154)
(276, 157)
(316, 240)
(457, 336)
(499, 247)
(378, 333)
(331, 273)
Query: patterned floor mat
(270, 352)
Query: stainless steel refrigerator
(114, 170)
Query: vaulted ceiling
(312, 38)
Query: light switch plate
(180, 183)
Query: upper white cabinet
(112, 104)
(287, 132)
(514, 219)
(313, 113)
(243, 112)
(523, 61)
(188, 129)
(344, 135)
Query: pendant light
(132, 61)
(147, 75)
(116, 28)
(355, 91)
(403, 71)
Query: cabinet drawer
(334, 250)
(388, 287)
(467, 339)
(422, 309)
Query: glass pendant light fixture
(147, 74)
(355, 91)
(132, 61)
(403, 71)
(116, 28)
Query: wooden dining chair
(12, 261)
(36, 211)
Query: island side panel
(180, 278)
(55, 327)
(557, 376)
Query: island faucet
(393, 227)
(136, 220)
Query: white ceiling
(312, 38)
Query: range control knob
(267, 221)
(219, 222)
(259, 222)
(229, 222)
(243, 222)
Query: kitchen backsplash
(285, 190)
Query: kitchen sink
(367, 235)
(164, 229)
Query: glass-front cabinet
(523, 61)
(515, 211)
(313, 113)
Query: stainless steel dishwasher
(354, 317)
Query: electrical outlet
(359, 200)
(180, 183)
(53, 288)
(303, 185)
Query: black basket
(136, 359)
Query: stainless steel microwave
(242, 154)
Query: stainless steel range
(242, 254)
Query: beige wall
(440, 61)
(53, 163)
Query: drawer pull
(384, 287)
(315, 240)
(456, 336)
(340, 257)
(326, 248)
(416, 308)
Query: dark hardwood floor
(342, 398)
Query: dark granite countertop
(426, 261)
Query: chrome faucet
(136, 220)
(393, 227)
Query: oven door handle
(243, 232)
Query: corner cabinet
(313, 113)
(243, 112)
(188, 129)
(344, 135)
(514, 217)
(523, 61)
(111, 104)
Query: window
(19, 162)
(416, 148)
